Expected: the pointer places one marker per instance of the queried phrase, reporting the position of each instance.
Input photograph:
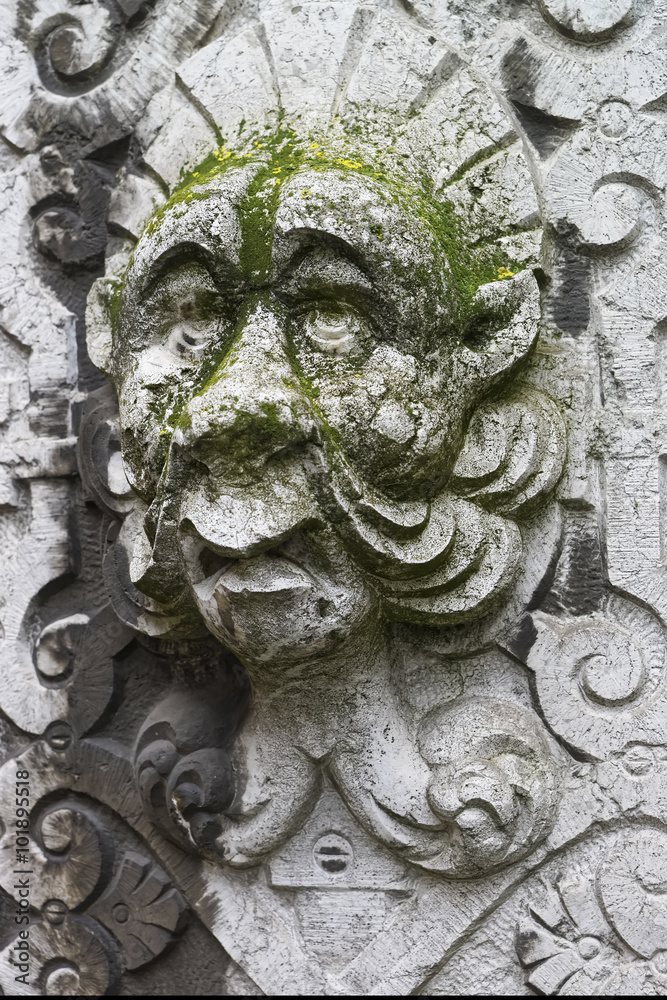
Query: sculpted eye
(190, 333)
(333, 332)
(191, 314)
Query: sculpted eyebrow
(311, 241)
(182, 254)
(173, 257)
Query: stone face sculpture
(351, 675)
(301, 343)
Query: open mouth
(204, 565)
(212, 564)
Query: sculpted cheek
(144, 448)
(389, 432)
(346, 409)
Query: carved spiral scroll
(589, 20)
(71, 956)
(494, 783)
(73, 43)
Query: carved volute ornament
(349, 632)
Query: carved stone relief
(332, 498)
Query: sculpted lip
(271, 570)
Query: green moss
(257, 213)
(280, 153)
(192, 184)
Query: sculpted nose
(253, 406)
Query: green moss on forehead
(257, 215)
(281, 152)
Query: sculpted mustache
(436, 561)
(315, 487)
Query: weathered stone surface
(332, 498)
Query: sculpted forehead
(242, 217)
(205, 216)
(357, 210)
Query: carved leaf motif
(142, 909)
(558, 949)
(577, 944)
